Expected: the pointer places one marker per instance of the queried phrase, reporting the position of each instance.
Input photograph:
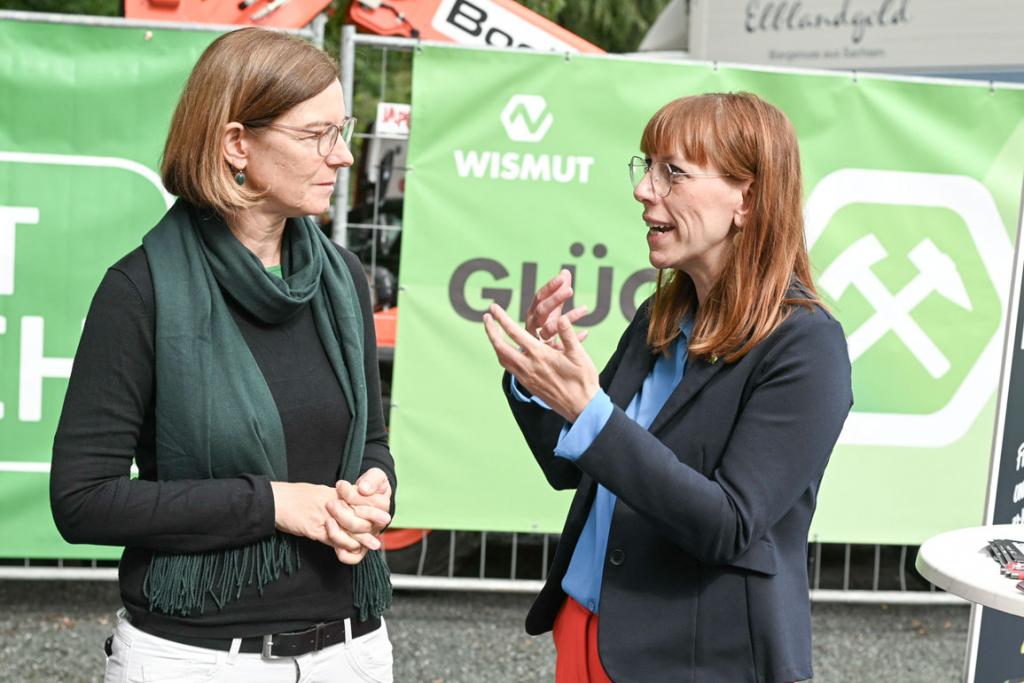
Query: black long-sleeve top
(108, 420)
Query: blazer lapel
(634, 367)
(697, 374)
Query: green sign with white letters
(83, 118)
(911, 198)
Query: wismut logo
(524, 118)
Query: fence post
(347, 55)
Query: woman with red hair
(697, 453)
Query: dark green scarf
(215, 415)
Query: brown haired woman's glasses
(326, 138)
(662, 174)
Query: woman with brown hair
(697, 453)
(232, 357)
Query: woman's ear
(235, 145)
(740, 215)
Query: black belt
(287, 644)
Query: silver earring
(240, 178)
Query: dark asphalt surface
(54, 631)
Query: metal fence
(459, 560)
(518, 563)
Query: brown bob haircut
(743, 136)
(251, 76)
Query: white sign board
(392, 119)
(487, 24)
(920, 35)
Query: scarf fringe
(180, 584)
(371, 586)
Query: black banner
(996, 653)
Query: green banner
(83, 116)
(912, 192)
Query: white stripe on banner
(40, 467)
(25, 467)
(101, 162)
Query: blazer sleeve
(541, 427)
(779, 446)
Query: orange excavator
(493, 23)
(268, 13)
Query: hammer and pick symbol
(937, 273)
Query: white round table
(957, 562)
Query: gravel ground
(53, 631)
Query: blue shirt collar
(686, 325)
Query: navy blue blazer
(705, 578)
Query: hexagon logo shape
(524, 118)
(974, 204)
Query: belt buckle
(268, 647)
(318, 642)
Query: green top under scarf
(215, 415)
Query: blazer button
(617, 557)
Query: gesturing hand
(546, 308)
(564, 378)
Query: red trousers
(576, 658)
(575, 634)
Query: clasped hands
(549, 361)
(348, 517)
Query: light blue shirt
(586, 568)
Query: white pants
(140, 657)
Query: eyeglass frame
(349, 122)
(672, 175)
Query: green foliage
(106, 8)
(612, 25)
(375, 68)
